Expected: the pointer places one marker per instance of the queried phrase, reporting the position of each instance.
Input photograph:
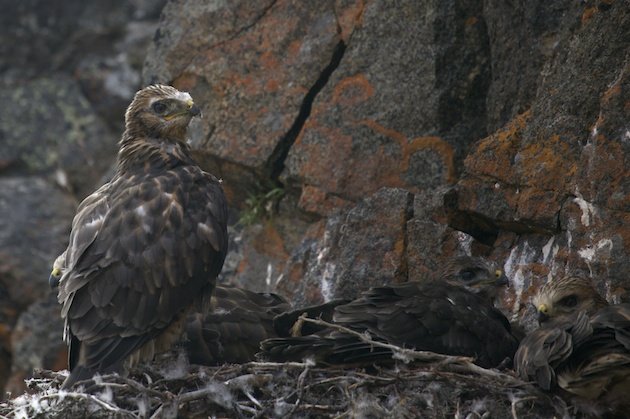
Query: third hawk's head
(561, 298)
(160, 111)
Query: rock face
(506, 126)
(363, 142)
(51, 129)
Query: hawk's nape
(582, 348)
(145, 246)
(232, 330)
(452, 317)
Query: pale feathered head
(561, 298)
(160, 111)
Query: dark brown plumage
(232, 330)
(582, 347)
(145, 246)
(452, 316)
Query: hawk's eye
(568, 301)
(159, 107)
(467, 275)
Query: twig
(275, 365)
(300, 390)
(137, 386)
(102, 403)
(196, 394)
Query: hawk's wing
(141, 250)
(540, 352)
(232, 331)
(436, 317)
(326, 347)
(599, 367)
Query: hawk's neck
(150, 154)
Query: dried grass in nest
(430, 386)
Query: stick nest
(261, 389)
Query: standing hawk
(582, 347)
(454, 316)
(145, 246)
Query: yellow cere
(498, 273)
(543, 308)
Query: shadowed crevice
(275, 162)
(409, 214)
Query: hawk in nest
(232, 331)
(453, 316)
(144, 247)
(239, 320)
(582, 348)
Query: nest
(417, 385)
(262, 389)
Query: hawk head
(561, 298)
(160, 111)
(476, 275)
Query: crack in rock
(275, 162)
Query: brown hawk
(454, 316)
(145, 246)
(232, 330)
(582, 347)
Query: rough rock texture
(50, 129)
(392, 116)
(368, 141)
(253, 67)
(35, 218)
(404, 97)
(32, 332)
(360, 248)
(555, 178)
(29, 239)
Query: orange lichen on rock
(494, 155)
(541, 206)
(270, 242)
(352, 90)
(316, 200)
(409, 147)
(546, 164)
(441, 147)
(589, 12)
(350, 18)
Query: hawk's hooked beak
(501, 279)
(543, 313)
(53, 279)
(193, 109)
